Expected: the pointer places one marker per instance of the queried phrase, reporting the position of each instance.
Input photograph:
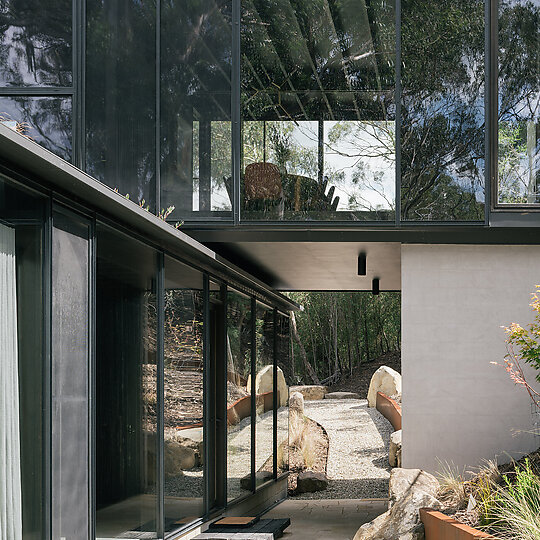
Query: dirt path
(358, 453)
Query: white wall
(457, 406)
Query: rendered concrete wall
(457, 406)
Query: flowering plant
(523, 345)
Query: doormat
(268, 526)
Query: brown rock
(310, 392)
(309, 481)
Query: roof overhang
(19, 156)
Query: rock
(260, 478)
(385, 380)
(410, 490)
(310, 392)
(264, 382)
(394, 452)
(404, 481)
(342, 395)
(309, 481)
(296, 403)
(178, 458)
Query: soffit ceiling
(306, 266)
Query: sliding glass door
(126, 387)
(70, 390)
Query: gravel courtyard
(358, 455)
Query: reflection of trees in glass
(195, 98)
(367, 152)
(442, 127)
(239, 334)
(121, 95)
(519, 99)
(358, 158)
(35, 43)
(46, 120)
(514, 167)
(183, 329)
(328, 61)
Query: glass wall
(317, 104)
(196, 175)
(239, 405)
(45, 120)
(23, 361)
(442, 110)
(284, 378)
(149, 358)
(36, 43)
(121, 96)
(36, 60)
(519, 102)
(264, 392)
(183, 401)
(126, 387)
(70, 377)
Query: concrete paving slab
(327, 519)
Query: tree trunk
(309, 369)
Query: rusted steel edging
(390, 409)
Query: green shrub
(512, 510)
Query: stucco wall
(457, 406)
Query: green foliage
(524, 343)
(340, 330)
(513, 509)
(513, 179)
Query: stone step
(342, 395)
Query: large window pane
(21, 325)
(264, 391)
(519, 102)
(318, 110)
(284, 364)
(45, 120)
(121, 96)
(70, 378)
(442, 128)
(183, 406)
(126, 387)
(196, 175)
(35, 43)
(239, 341)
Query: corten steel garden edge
(390, 409)
(440, 527)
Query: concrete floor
(327, 519)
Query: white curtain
(10, 457)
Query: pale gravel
(359, 438)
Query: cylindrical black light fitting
(375, 286)
(362, 264)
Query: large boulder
(385, 380)
(264, 382)
(405, 481)
(311, 392)
(410, 490)
(296, 403)
(178, 458)
(309, 481)
(394, 452)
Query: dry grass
(453, 490)
(302, 437)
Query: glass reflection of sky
(359, 159)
